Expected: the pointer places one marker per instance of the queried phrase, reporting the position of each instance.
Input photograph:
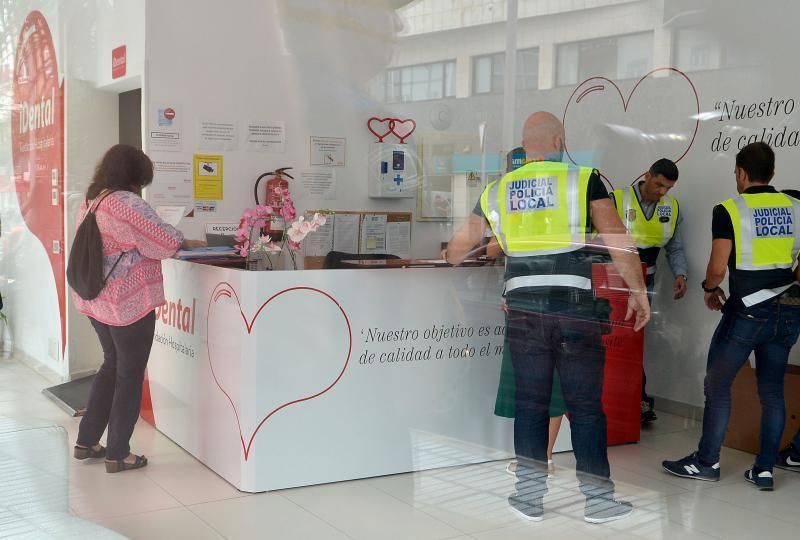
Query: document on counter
(345, 233)
(398, 239)
(373, 234)
(205, 252)
(320, 242)
(171, 214)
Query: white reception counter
(283, 379)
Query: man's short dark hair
(666, 168)
(758, 161)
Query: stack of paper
(205, 252)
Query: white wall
(92, 126)
(120, 22)
(306, 63)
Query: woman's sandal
(120, 465)
(81, 452)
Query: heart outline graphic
(392, 123)
(380, 121)
(396, 122)
(626, 103)
(225, 289)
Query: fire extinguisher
(276, 224)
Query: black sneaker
(648, 414)
(789, 459)
(762, 479)
(690, 467)
(531, 510)
(600, 510)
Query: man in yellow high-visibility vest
(653, 219)
(757, 237)
(542, 215)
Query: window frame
(615, 37)
(398, 72)
(501, 54)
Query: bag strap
(89, 209)
(113, 267)
(97, 200)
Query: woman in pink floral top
(123, 314)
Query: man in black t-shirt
(757, 242)
(553, 319)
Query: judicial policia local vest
(540, 209)
(766, 230)
(649, 235)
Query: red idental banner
(37, 139)
(119, 62)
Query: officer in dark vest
(542, 215)
(757, 237)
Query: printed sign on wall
(165, 131)
(37, 141)
(119, 62)
(207, 173)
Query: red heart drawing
(403, 128)
(380, 135)
(225, 290)
(624, 143)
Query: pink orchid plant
(295, 229)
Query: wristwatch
(706, 289)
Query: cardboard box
(744, 428)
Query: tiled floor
(176, 497)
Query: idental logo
(179, 315)
(38, 115)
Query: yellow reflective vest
(539, 209)
(647, 233)
(766, 230)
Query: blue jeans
(770, 330)
(563, 337)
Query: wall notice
(213, 135)
(165, 131)
(373, 234)
(172, 185)
(207, 173)
(328, 151)
(319, 183)
(266, 137)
